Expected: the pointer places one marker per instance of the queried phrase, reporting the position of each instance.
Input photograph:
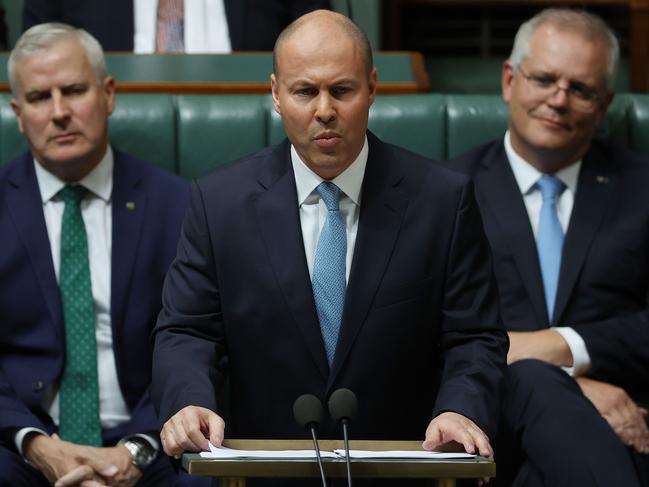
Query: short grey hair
(42, 36)
(571, 20)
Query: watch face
(141, 452)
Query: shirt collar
(99, 181)
(527, 175)
(349, 181)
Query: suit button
(37, 386)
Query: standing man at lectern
(330, 260)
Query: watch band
(142, 453)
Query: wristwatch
(142, 453)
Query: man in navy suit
(577, 316)
(132, 214)
(419, 340)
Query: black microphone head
(343, 405)
(308, 411)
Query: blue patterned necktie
(79, 392)
(549, 239)
(329, 276)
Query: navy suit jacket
(32, 337)
(420, 333)
(252, 24)
(604, 277)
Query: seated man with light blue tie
(568, 223)
(88, 233)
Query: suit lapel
(596, 185)
(382, 209)
(128, 207)
(498, 190)
(24, 203)
(279, 222)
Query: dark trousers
(551, 435)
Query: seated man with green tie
(87, 235)
(567, 218)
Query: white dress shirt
(205, 26)
(313, 211)
(526, 177)
(96, 211)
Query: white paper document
(224, 453)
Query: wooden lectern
(234, 472)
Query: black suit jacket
(252, 24)
(32, 338)
(604, 277)
(238, 302)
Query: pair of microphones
(309, 413)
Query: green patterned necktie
(79, 392)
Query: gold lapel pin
(602, 179)
(130, 205)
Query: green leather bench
(190, 134)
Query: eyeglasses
(580, 96)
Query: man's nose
(325, 110)
(60, 108)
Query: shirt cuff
(22, 434)
(577, 346)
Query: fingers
(451, 426)
(76, 476)
(189, 429)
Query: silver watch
(142, 453)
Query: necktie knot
(330, 194)
(550, 186)
(72, 195)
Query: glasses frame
(573, 94)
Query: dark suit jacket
(32, 339)
(252, 24)
(238, 302)
(604, 278)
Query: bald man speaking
(330, 260)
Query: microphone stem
(348, 461)
(317, 453)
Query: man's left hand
(450, 426)
(546, 345)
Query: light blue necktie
(549, 239)
(328, 280)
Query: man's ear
(15, 106)
(108, 87)
(372, 85)
(507, 80)
(274, 88)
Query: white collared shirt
(313, 211)
(205, 26)
(526, 177)
(96, 211)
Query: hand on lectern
(450, 426)
(190, 429)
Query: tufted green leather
(191, 134)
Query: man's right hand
(55, 458)
(625, 417)
(190, 429)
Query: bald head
(329, 25)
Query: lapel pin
(130, 205)
(602, 179)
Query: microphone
(309, 413)
(342, 408)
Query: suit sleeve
(474, 342)
(619, 350)
(189, 347)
